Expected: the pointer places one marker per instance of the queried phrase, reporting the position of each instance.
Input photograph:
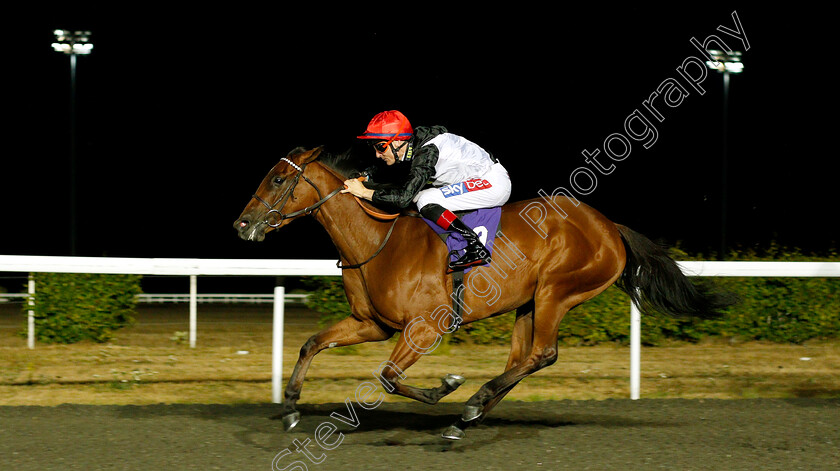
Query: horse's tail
(653, 280)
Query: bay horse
(395, 278)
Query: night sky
(180, 115)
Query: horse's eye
(278, 180)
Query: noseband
(288, 193)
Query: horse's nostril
(242, 224)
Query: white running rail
(180, 267)
(729, 269)
(209, 267)
(217, 298)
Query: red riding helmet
(388, 125)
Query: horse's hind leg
(520, 347)
(548, 314)
(418, 339)
(349, 331)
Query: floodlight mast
(72, 43)
(726, 63)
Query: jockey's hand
(357, 188)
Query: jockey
(463, 177)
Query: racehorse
(395, 277)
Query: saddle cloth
(485, 223)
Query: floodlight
(726, 61)
(72, 42)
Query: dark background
(181, 114)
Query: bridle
(310, 209)
(288, 193)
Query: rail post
(30, 315)
(277, 344)
(635, 350)
(193, 308)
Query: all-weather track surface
(674, 434)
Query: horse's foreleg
(418, 339)
(350, 331)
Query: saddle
(486, 222)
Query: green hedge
(777, 309)
(326, 296)
(73, 307)
(788, 310)
(605, 318)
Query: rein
(381, 246)
(314, 207)
(371, 212)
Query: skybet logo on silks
(467, 186)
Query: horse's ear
(311, 155)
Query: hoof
(453, 381)
(471, 413)
(290, 420)
(453, 433)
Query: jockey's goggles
(382, 146)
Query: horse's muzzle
(247, 230)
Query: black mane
(347, 164)
(352, 162)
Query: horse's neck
(354, 233)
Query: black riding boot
(475, 253)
